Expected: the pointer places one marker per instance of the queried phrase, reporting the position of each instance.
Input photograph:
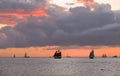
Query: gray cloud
(80, 26)
(11, 5)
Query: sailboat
(57, 54)
(68, 56)
(14, 56)
(26, 56)
(104, 56)
(91, 55)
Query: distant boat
(115, 56)
(68, 56)
(57, 55)
(104, 56)
(14, 56)
(91, 56)
(26, 56)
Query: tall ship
(57, 54)
(91, 55)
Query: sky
(74, 26)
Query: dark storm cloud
(10, 5)
(80, 26)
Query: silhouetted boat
(115, 56)
(14, 56)
(91, 56)
(68, 56)
(104, 56)
(26, 56)
(57, 55)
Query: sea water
(59, 67)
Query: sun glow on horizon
(48, 51)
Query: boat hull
(57, 57)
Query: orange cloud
(39, 12)
(21, 12)
(9, 17)
(7, 20)
(87, 2)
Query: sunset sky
(40, 27)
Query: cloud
(87, 2)
(80, 26)
(14, 11)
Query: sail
(14, 56)
(26, 56)
(104, 56)
(57, 54)
(91, 56)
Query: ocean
(59, 67)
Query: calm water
(59, 67)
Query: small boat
(104, 56)
(68, 56)
(115, 56)
(91, 56)
(57, 55)
(14, 56)
(26, 56)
